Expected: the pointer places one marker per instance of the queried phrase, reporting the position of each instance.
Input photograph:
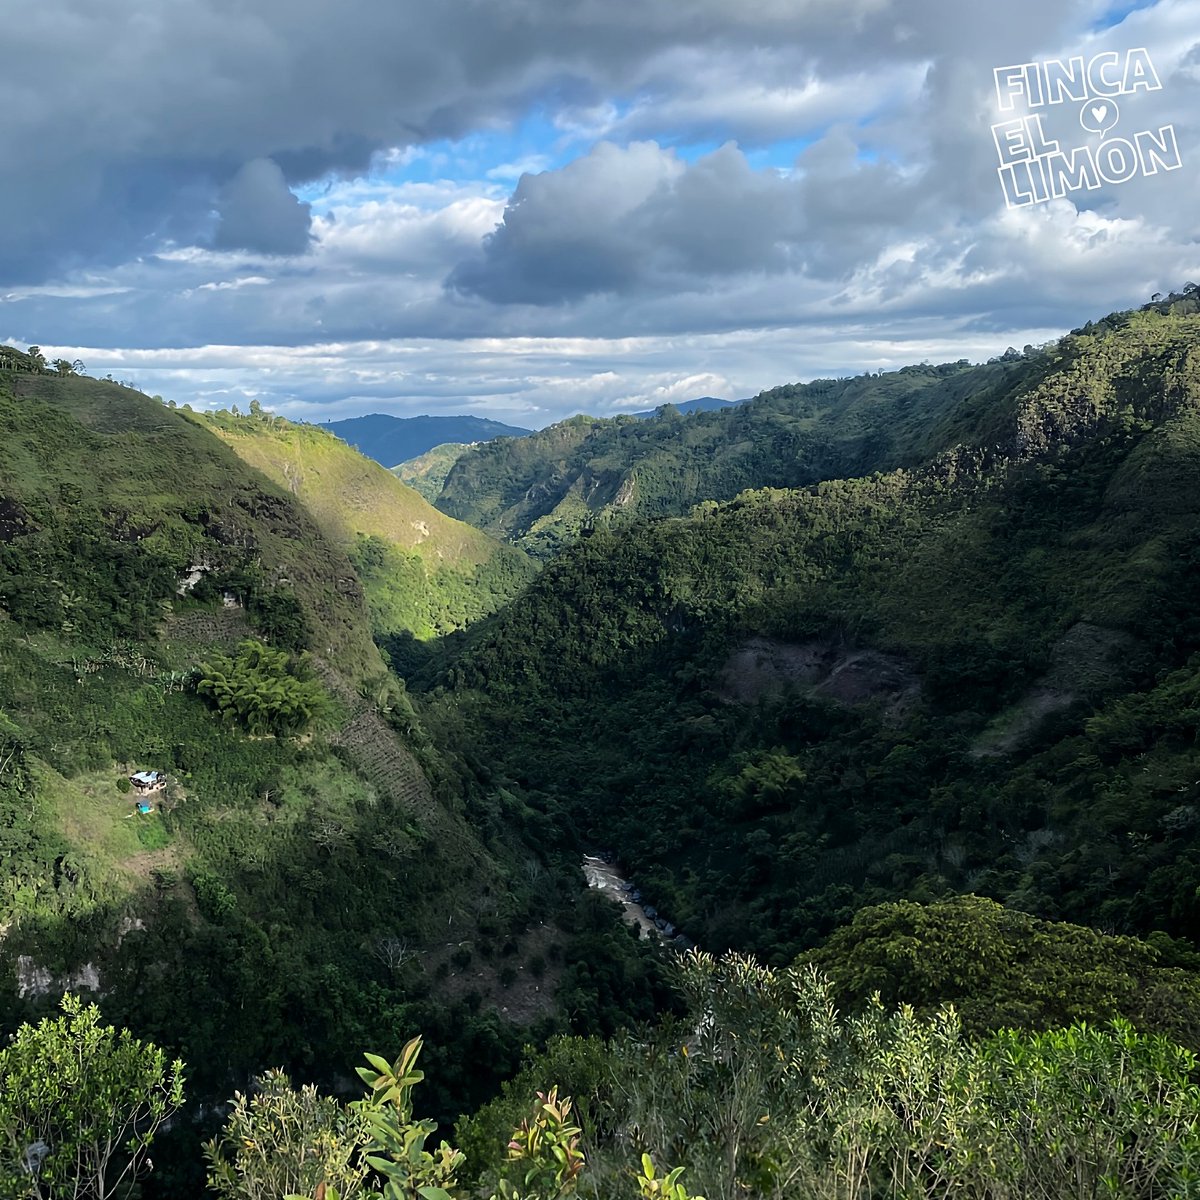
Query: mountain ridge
(1057, 524)
(541, 491)
(391, 440)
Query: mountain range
(392, 440)
(895, 675)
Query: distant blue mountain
(703, 404)
(393, 440)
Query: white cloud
(648, 264)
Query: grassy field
(425, 573)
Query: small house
(147, 781)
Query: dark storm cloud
(177, 96)
(258, 212)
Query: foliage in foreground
(297, 1144)
(80, 1104)
(762, 1090)
(765, 1090)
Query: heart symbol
(1099, 112)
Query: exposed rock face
(14, 520)
(34, 980)
(765, 667)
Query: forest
(883, 691)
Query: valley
(892, 676)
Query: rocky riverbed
(604, 877)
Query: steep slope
(425, 573)
(278, 902)
(390, 440)
(426, 473)
(102, 525)
(976, 675)
(540, 491)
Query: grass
(350, 494)
(442, 573)
(105, 832)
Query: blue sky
(528, 209)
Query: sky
(525, 209)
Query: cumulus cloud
(124, 147)
(751, 193)
(257, 211)
(569, 233)
(639, 219)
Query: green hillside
(540, 491)
(425, 574)
(929, 723)
(101, 526)
(314, 872)
(975, 675)
(427, 473)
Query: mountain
(424, 573)
(314, 871)
(928, 722)
(540, 491)
(701, 404)
(427, 472)
(390, 440)
(975, 673)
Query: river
(605, 877)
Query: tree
(289, 1145)
(397, 1141)
(764, 1089)
(393, 951)
(80, 1104)
(262, 689)
(544, 1154)
(999, 967)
